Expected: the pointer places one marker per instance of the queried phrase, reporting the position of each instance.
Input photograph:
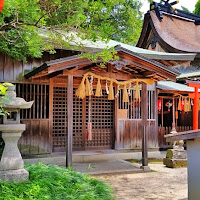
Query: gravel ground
(161, 184)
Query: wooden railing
(166, 130)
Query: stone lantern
(11, 164)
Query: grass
(56, 183)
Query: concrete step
(93, 156)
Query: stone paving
(107, 167)
(161, 184)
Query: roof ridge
(159, 8)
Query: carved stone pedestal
(11, 164)
(175, 158)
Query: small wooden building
(93, 122)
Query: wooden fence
(166, 130)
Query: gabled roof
(134, 65)
(174, 87)
(191, 75)
(88, 45)
(175, 32)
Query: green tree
(28, 27)
(197, 8)
(185, 9)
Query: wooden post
(69, 139)
(84, 123)
(51, 112)
(162, 112)
(144, 128)
(116, 136)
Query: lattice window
(151, 104)
(37, 93)
(132, 108)
(101, 116)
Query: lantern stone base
(175, 158)
(11, 164)
(20, 175)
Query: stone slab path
(108, 167)
(161, 184)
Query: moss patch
(171, 163)
(150, 160)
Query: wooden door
(100, 115)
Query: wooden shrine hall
(110, 107)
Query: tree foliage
(185, 9)
(28, 27)
(197, 8)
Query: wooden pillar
(51, 112)
(144, 127)
(116, 136)
(162, 112)
(69, 139)
(84, 128)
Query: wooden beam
(141, 64)
(149, 74)
(69, 64)
(69, 138)
(117, 76)
(186, 135)
(109, 67)
(41, 74)
(78, 73)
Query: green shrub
(56, 183)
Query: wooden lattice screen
(101, 118)
(37, 93)
(151, 104)
(102, 121)
(133, 107)
(60, 120)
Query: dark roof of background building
(176, 31)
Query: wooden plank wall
(36, 138)
(130, 134)
(13, 71)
